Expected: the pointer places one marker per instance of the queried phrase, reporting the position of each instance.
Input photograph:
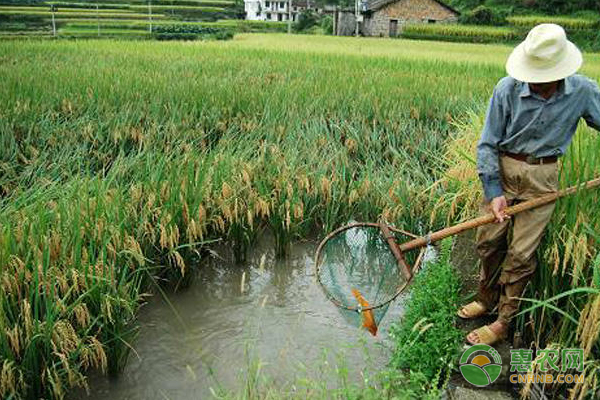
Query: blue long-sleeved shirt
(520, 121)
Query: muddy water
(206, 337)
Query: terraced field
(132, 19)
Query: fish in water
(367, 316)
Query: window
(268, 15)
(281, 4)
(431, 21)
(267, 4)
(279, 17)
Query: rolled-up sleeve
(488, 166)
(592, 111)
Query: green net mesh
(360, 258)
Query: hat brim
(519, 68)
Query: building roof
(373, 5)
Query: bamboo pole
(489, 218)
(385, 230)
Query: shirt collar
(524, 91)
(566, 87)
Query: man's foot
(472, 310)
(488, 334)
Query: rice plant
(475, 33)
(571, 23)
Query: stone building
(386, 17)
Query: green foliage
(551, 7)
(427, 339)
(483, 15)
(327, 24)
(224, 35)
(558, 7)
(190, 32)
(306, 20)
(465, 5)
(339, 3)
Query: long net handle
(489, 218)
(391, 239)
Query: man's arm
(592, 111)
(488, 166)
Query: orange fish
(368, 318)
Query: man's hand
(498, 205)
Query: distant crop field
(475, 33)
(77, 13)
(114, 18)
(529, 21)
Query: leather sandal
(486, 336)
(472, 310)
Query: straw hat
(545, 56)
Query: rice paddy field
(122, 164)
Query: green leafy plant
(427, 338)
(483, 15)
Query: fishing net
(359, 272)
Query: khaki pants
(507, 263)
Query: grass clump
(427, 339)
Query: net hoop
(400, 288)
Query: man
(530, 121)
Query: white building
(267, 10)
